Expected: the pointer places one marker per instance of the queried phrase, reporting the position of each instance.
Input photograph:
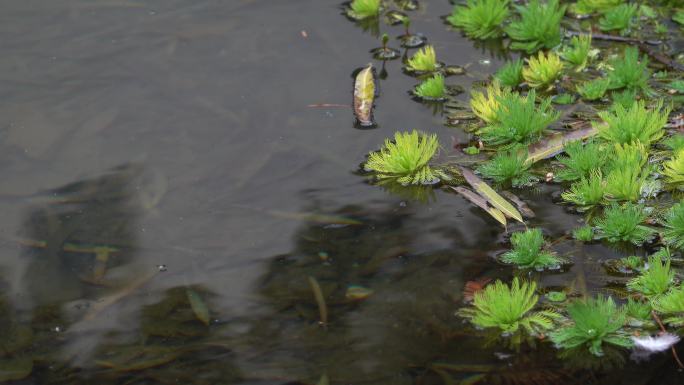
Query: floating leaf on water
(492, 196)
(133, 358)
(357, 293)
(364, 95)
(520, 204)
(482, 203)
(408, 5)
(199, 307)
(554, 144)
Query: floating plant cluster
(617, 156)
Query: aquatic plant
(629, 72)
(673, 169)
(424, 60)
(674, 142)
(623, 223)
(591, 6)
(587, 192)
(672, 305)
(509, 308)
(486, 107)
(432, 88)
(578, 52)
(637, 123)
(625, 98)
(639, 310)
(583, 233)
(656, 279)
(581, 160)
(594, 89)
(519, 119)
(364, 9)
(538, 26)
(594, 322)
(528, 251)
(480, 19)
(618, 18)
(406, 159)
(510, 74)
(508, 167)
(673, 234)
(625, 177)
(543, 70)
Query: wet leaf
(482, 203)
(472, 287)
(320, 300)
(324, 380)
(554, 144)
(492, 196)
(357, 293)
(199, 307)
(364, 95)
(520, 204)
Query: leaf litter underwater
(543, 247)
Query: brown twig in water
(662, 327)
(622, 39)
(661, 58)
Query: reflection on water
(167, 199)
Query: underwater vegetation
(587, 192)
(424, 60)
(630, 72)
(623, 224)
(577, 54)
(543, 70)
(528, 251)
(591, 6)
(510, 74)
(673, 169)
(656, 279)
(432, 88)
(593, 89)
(593, 323)
(509, 308)
(480, 19)
(508, 167)
(406, 159)
(518, 119)
(672, 306)
(618, 18)
(673, 233)
(634, 124)
(485, 105)
(581, 159)
(617, 156)
(537, 27)
(364, 9)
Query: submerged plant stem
(320, 300)
(662, 328)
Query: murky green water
(169, 199)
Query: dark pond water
(168, 197)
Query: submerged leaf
(364, 94)
(492, 196)
(482, 203)
(199, 307)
